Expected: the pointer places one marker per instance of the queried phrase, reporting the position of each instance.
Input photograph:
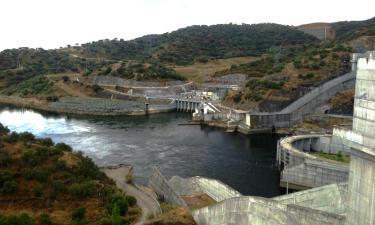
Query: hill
(199, 43)
(323, 31)
(45, 183)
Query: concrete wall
(216, 189)
(361, 209)
(364, 99)
(162, 188)
(301, 169)
(298, 215)
(331, 198)
(304, 105)
(242, 211)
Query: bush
(36, 174)
(3, 129)
(7, 183)
(44, 219)
(29, 158)
(65, 78)
(96, 88)
(82, 190)
(78, 215)
(237, 97)
(11, 138)
(38, 191)
(132, 201)
(52, 98)
(5, 158)
(46, 142)
(58, 187)
(22, 219)
(26, 137)
(63, 147)
(88, 169)
(120, 201)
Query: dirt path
(149, 205)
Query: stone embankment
(89, 106)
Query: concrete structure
(162, 188)
(320, 206)
(362, 169)
(338, 203)
(301, 170)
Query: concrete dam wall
(302, 170)
(304, 105)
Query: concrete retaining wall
(302, 170)
(162, 188)
(216, 189)
(242, 211)
(298, 215)
(302, 106)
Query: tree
(115, 216)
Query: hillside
(323, 31)
(45, 183)
(280, 62)
(199, 43)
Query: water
(244, 162)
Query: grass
(336, 157)
(197, 71)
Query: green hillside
(200, 43)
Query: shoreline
(45, 107)
(33, 104)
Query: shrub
(58, 187)
(5, 158)
(11, 138)
(115, 215)
(96, 88)
(29, 158)
(52, 98)
(88, 169)
(65, 78)
(38, 190)
(22, 219)
(237, 97)
(46, 142)
(44, 219)
(120, 201)
(7, 183)
(59, 148)
(26, 137)
(82, 190)
(78, 215)
(3, 129)
(131, 200)
(35, 174)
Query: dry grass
(198, 71)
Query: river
(245, 162)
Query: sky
(56, 23)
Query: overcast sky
(55, 23)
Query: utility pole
(325, 33)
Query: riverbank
(88, 106)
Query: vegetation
(151, 71)
(51, 177)
(200, 43)
(336, 157)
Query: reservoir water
(245, 162)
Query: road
(148, 204)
